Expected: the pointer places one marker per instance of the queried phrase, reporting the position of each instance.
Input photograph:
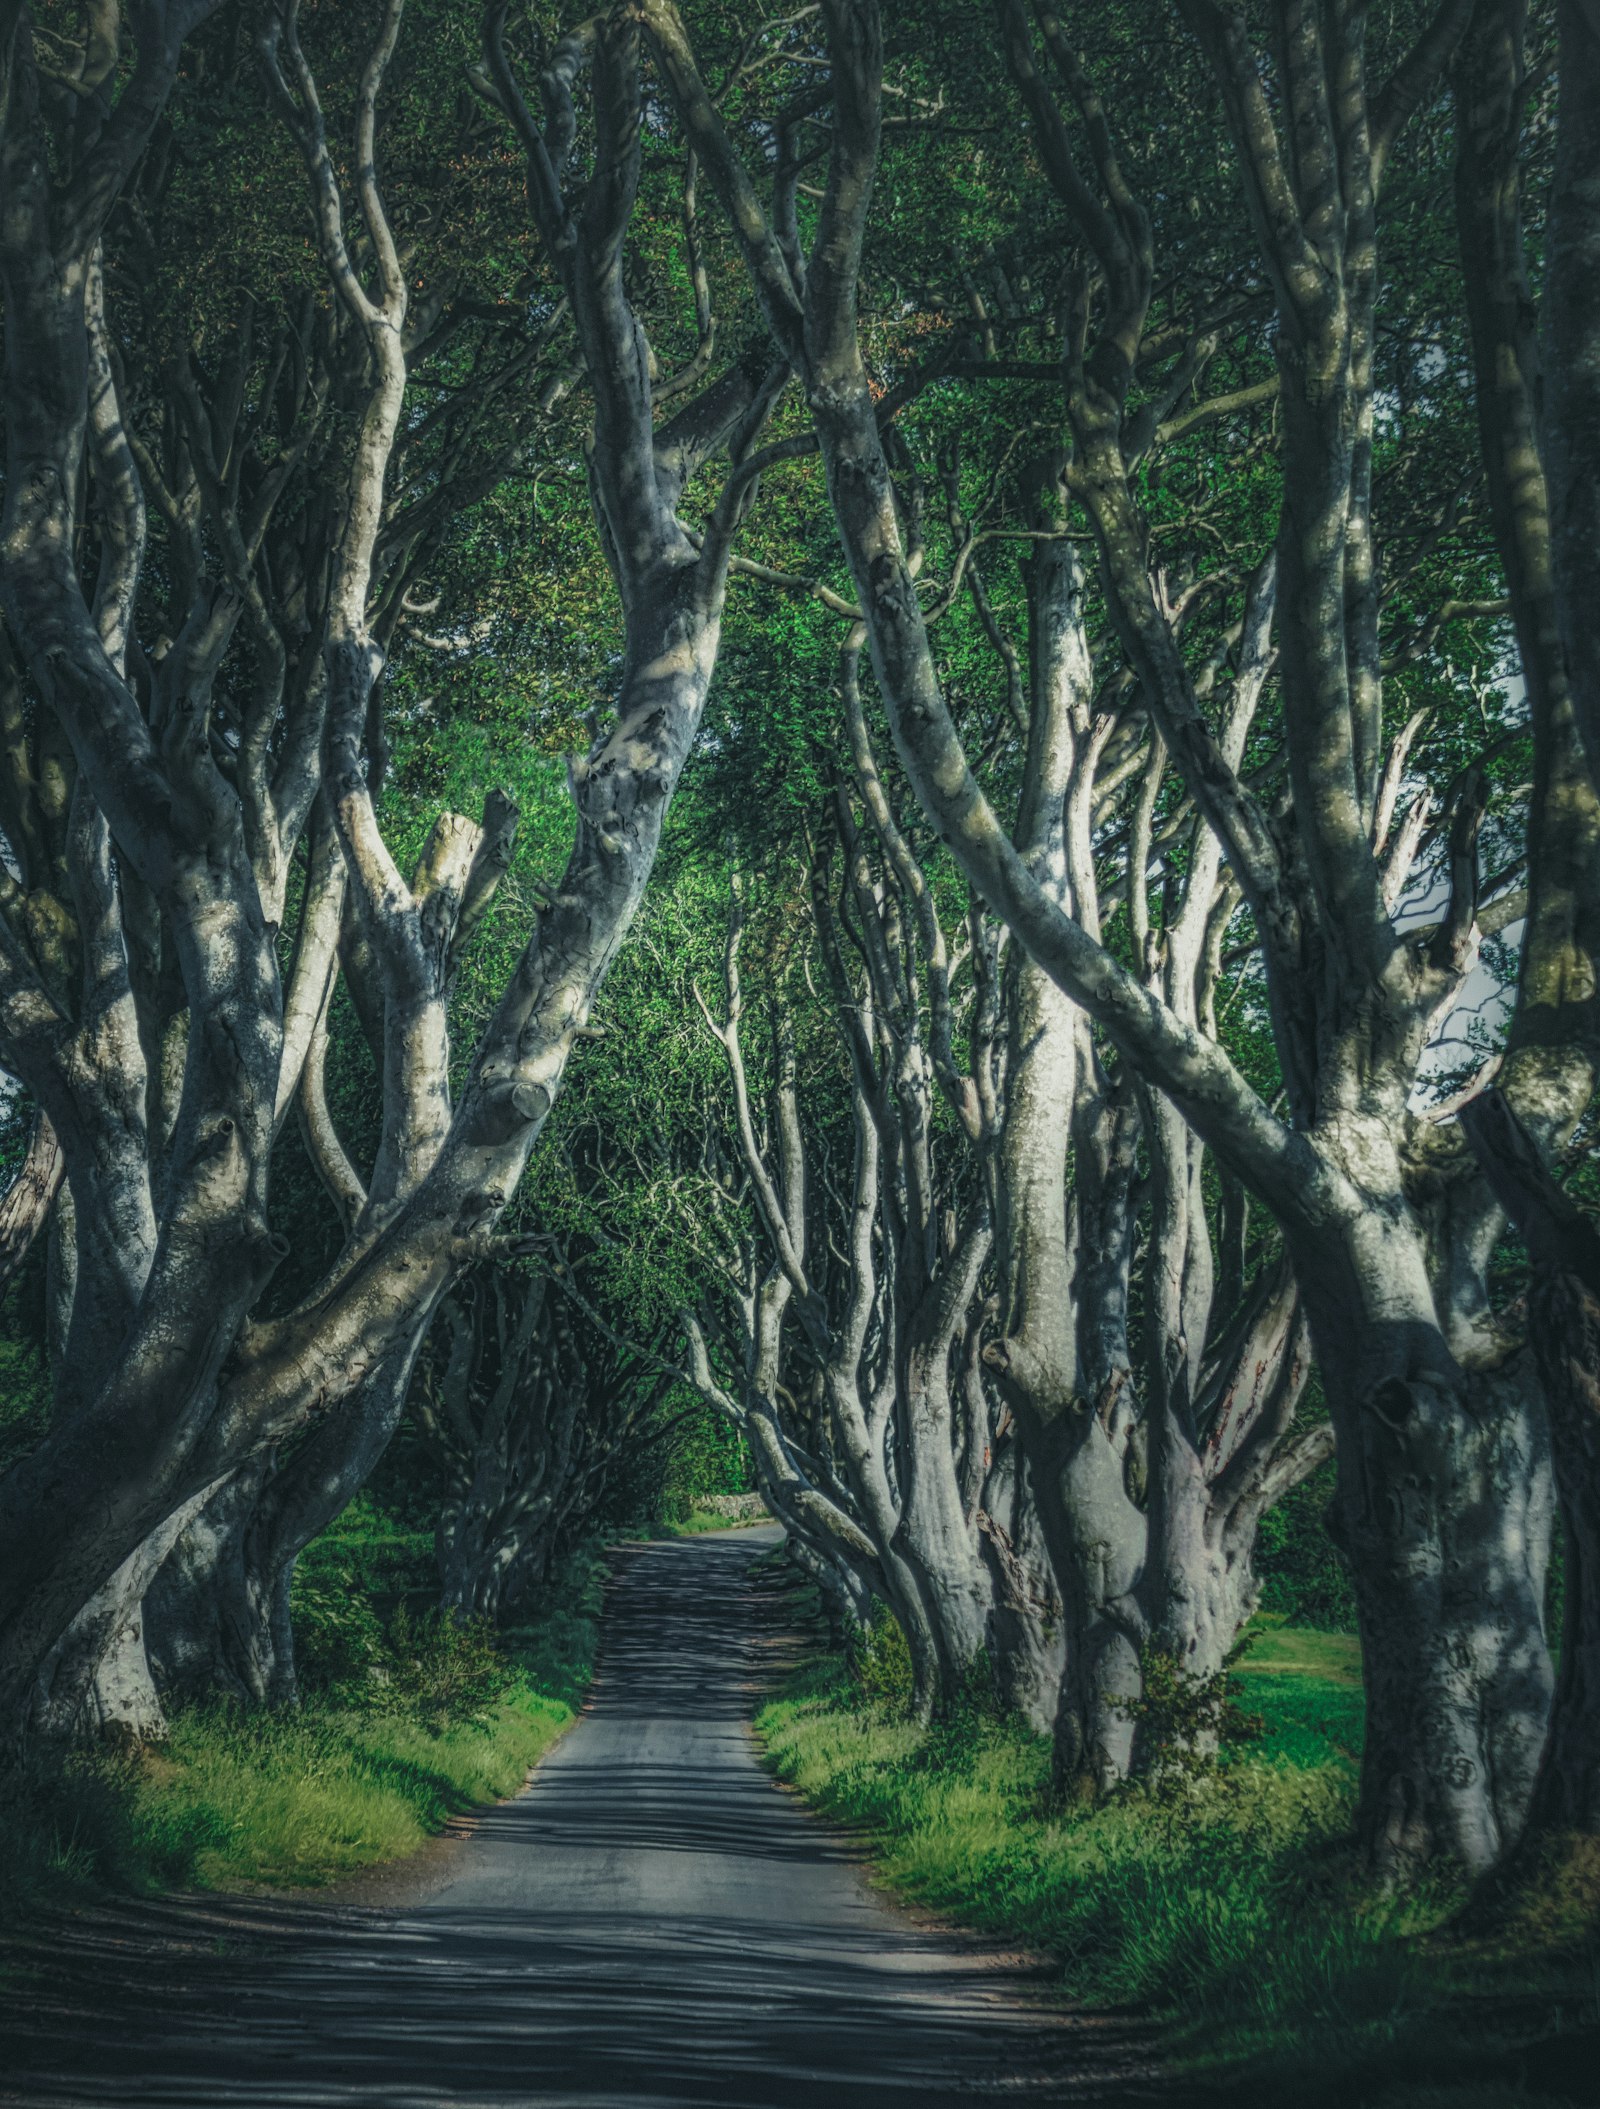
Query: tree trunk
(824, 1541)
(217, 1611)
(846, 1601)
(908, 1596)
(1218, 1415)
(487, 1565)
(1062, 1363)
(1201, 1567)
(186, 1392)
(1564, 1328)
(220, 1617)
(1571, 324)
(1444, 1513)
(1088, 1514)
(936, 1537)
(1564, 1315)
(97, 1682)
(26, 1204)
(471, 1568)
(1028, 1629)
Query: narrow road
(651, 1922)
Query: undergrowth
(407, 1719)
(1231, 1912)
(697, 1522)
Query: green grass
(1306, 1686)
(299, 1799)
(365, 1771)
(368, 1550)
(1232, 1916)
(685, 1521)
(1302, 1651)
(698, 1521)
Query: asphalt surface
(650, 1922)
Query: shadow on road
(651, 1923)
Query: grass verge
(365, 1771)
(698, 1521)
(1229, 1912)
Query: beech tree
(176, 1382)
(1385, 1219)
(1570, 321)
(1153, 703)
(528, 1418)
(884, 1327)
(1129, 1565)
(1535, 424)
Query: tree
(1571, 332)
(1564, 1325)
(1556, 1023)
(1422, 1396)
(528, 1416)
(180, 1381)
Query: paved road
(652, 1922)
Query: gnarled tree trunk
(1564, 1335)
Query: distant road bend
(651, 1922)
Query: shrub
(674, 1505)
(1183, 1721)
(1302, 1573)
(401, 1728)
(1227, 1903)
(1234, 1915)
(441, 1667)
(338, 1636)
(881, 1661)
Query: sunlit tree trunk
(173, 1387)
(1352, 998)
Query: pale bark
(97, 1681)
(885, 1389)
(1028, 1635)
(1062, 1357)
(816, 1514)
(216, 1613)
(177, 1389)
(218, 1610)
(1535, 469)
(847, 1602)
(1392, 1312)
(1564, 1329)
(26, 1204)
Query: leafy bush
(1302, 1573)
(1183, 1721)
(434, 1665)
(881, 1661)
(442, 1668)
(431, 1718)
(674, 1504)
(368, 1550)
(338, 1636)
(1234, 1914)
(709, 1457)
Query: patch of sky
(1474, 1026)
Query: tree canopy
(856, 725)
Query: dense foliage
(846, 755)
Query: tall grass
(406, 1721)
(1232, 1913)
(371, 1765)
